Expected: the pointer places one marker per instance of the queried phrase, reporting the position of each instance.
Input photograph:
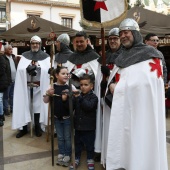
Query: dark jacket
(4, 72)
(60, 107)
(85, 111)
(15, 62)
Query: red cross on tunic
(100, 4)
(156, 67)
(79, 66)
(110, 66)
(117, 77)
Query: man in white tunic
(137, 134)
(100, 86)
(83, 60)
(33, 67)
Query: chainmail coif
(137, 53)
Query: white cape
(21, 108)
(97, 91)
(137, 134)
(106, 120)
(92, 65)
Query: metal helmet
(35, 38)
(79, 72)
(129, 24)
(114, 31)
(64, 38)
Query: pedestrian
(8, 94)
(63, 49)
(4, 83)
(32, 70)
(63, 52)
(112, 53)
(83, 60)
(137, 134)
(153, 40)
(85, 106)
(61, 115)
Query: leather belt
(36, 82)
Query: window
(2, 15)
(30, 15)
(67, 22)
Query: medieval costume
(137, 134)
(22, 113)
(86, 61)
(111, 55)
(64, 51)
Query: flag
(102, 13)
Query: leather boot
(22, 132)
(1, 120)
(3, 117)
(38, 131)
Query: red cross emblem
(117, 77)
(110, 66)
(156, 67)
(100, 4)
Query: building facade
(160, 6)
(63, 12)
(3, 19)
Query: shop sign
(18, 43)
(164, 41)
(49, 42)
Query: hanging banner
(102, 13)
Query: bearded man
(32, 69)
(137, 133)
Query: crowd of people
(119, 108)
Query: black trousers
(84, 139)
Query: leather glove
(105, 70)
(51, 70)
(31, 70)
(103, 85)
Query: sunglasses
(154, 40)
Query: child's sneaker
(66, 161)
(77, 162)
(90, 164)
(60, 159)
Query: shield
(102, 13)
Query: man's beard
(35, 50)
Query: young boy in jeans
(85, 105)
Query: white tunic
(97, 91)
(21, 102)
(91, 65)
(106, 121)
(137, 134)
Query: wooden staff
(51, 103)
(103, 56)
(51, 83)
(72, 123)
(103, 47)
